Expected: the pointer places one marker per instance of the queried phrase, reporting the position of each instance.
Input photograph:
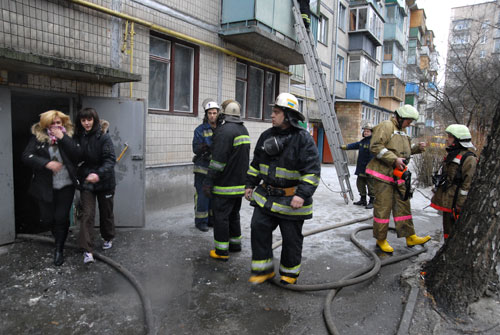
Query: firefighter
(225, 181)
(363, 182)
(202, 142)
(305, 11)
(392, 148)
(286, 160)
(453, 181)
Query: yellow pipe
(173, 33)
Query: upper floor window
(297, 72)
(460, 39)
(365, 18)
(362, 69)
(255, 91)
(482, 54)
(483, 39)
(342, 17)
(496, 48)
(323, 30)
(339, 71)
(485, 25)
(461, 24)
(172, 68)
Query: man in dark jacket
(225, 181)
(364, 157)
(286, 160)
(202, 141)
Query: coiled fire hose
(146, 303)
(353, 278)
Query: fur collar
(41, 133)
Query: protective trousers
(227, 229)
(387, 199)
(262, 227)
(202, 211)
(363, 183)
(106, 217)
(448, 224)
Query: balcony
(392, 88)
(389, 68)
(424, 51)
(263, 26)
(367, 21)
(392, 32)
(411, 89)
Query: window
(483, 39)
(297, 72)
(485, 25)
(323, 30)
(460, 38)
(171, 76)
(461, 24)
(342, 14)
(339, 71)
(496, 48)
(388, 50)
(255, 91)
(354, 66)
(482, 54)
(365, 18)
(376, 88)
(362, 69)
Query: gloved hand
(343, 147)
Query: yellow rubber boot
(218, 257)
(288, 280)
(259, 279)
(416, 240)
(384, 246)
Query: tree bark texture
(459, 273)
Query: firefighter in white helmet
(225, 181)
(454, 179)
(363, 182)
(286, 171)
(202, 142)
(392, 147)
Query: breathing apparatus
(275, 145)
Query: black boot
(361, 202)
(58, 254)
(370, 204)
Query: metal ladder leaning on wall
(325, 102)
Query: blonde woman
(52, 154)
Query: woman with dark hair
(97, 178)
(52, 154)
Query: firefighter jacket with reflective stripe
(364, 154)
(443, 198)
(230, 157)
(388, 143)
(202, 141)
(298, 165)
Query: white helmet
(210, 105)
(289, 102)
(407, 112)
(462, 133)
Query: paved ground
(193, 294)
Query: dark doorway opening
(26, 109)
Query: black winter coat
(36, 155)
(98, 156)
(364, 154)
(298, 165)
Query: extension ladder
(325, 102)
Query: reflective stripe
(439, 208)
(380, 220)
(252, 171)
(287, 174)
(383, 176)
(264, 169)
(201, 215)
(400, 132)
(294, 270)
(217, 166)
(229, 190)
(235, 240)
(221, 245)
(208, 133)
(239, 140)
(200, 169)
(382, 152)
(282, 209)
(463, 192)
(402, 218)
(262, 265)
(311, 179)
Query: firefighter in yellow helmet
(392, 148)
(286, 171)
(453, 180)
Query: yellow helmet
(407, 112)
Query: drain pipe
(173, 33)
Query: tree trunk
(459, 273)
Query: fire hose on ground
(146, 303)
(353, 278)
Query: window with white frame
(339, 71)
(171, 76)
(362, 69)
(255, 91)
(485, 25)
(365, 18)
(376, 88)
(461, 24)
(342, 17)
(323, 30)
(483, 39)
(461, 38)
(482, 54)
(496, 47)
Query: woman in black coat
(52, 154)
(97, 179)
